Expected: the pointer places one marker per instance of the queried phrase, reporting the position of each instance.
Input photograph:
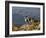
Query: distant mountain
(18, 19)
(18, 14)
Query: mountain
(18, 19)
(18, 14)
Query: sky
(18, 14)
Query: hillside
(27, 27)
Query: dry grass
(27, 27)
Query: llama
(28, 20)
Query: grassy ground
(27, 27)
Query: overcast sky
(26, 11)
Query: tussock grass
(27, 27)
